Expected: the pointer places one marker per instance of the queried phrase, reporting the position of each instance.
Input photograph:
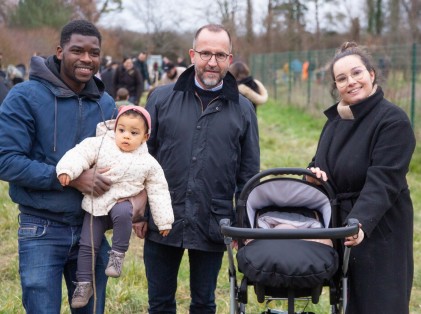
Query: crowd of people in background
(129, 79)
(136, 74)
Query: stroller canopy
(288, 192)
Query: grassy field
(288, 139)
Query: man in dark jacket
(142, 65)
(40, 119)
(205, 136)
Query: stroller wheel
(241, 308)
(337, 309)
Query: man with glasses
(205, 136)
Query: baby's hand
(164, 233)
(64, 179)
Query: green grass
(288, 139)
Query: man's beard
(210, 82)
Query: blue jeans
(47, 251)
(162, 263)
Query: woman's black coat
(366, 160)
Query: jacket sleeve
(151, 107)
(18, 129)
(159, 197)
(79, 158)
(250, 150)
(386, 177)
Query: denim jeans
(162, 263)
(48, 251)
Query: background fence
(301, 78)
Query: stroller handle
(323, 233)
(276, 172)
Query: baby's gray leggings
(120, 220)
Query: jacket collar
(49, 70)
(185, 83)
(359, 109)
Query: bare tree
(318, 4)
(413, 11)
(92, 9)
(6, 8)
(394, 20)
(268, 25)
(375, 17)
(227, 10)
(249, 23)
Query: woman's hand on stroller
(355, 239)
(320, 174)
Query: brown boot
(82, 294)
(115, 264)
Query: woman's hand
(355, 239)
(320, 174)
(140, 228)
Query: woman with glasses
(364, 152)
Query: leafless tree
(92, 9)
(413, 11)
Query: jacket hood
(257, 98)
(47, 71)
(186, 83)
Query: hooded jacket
(207, 157)
(40, 120)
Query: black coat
(131, 79)
(366, 160)
(207, 157)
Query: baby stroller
(279, 263)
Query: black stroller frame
(338, 284)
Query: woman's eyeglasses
(356, 74)
(207, 55)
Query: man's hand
(92, 182)
(140, 225)
(139, 206)
(140, 228)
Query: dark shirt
(206, 96)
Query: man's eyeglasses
(357, 74)
(207, 55)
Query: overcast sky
(188, 15)
(184, 15)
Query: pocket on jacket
(220, 209)
(383, 228)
